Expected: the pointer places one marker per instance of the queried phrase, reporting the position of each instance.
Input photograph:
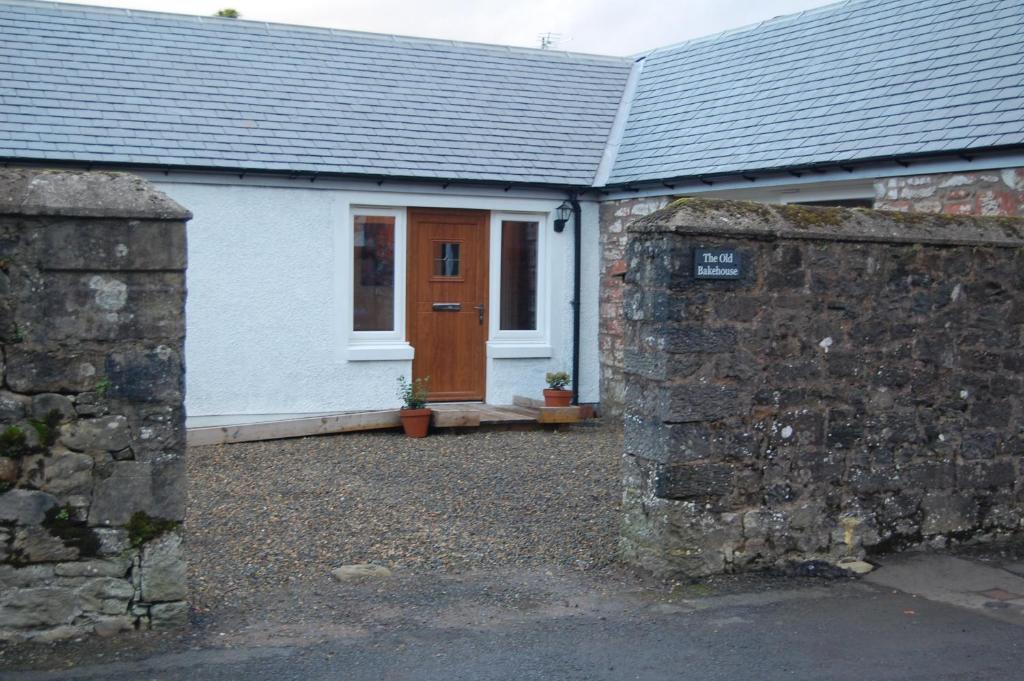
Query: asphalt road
(830, 632)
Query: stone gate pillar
(817, 383)
(92, 474)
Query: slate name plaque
(717, 263)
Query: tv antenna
(549, 41)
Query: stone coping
(79, 193)
(721, 218)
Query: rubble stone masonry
(92, 477)
(615, 216)
(859, 389)
(993, 192)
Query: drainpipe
(577, 220)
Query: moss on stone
(680, 203)
(860, 223)
(735, 208)
(13, 442)
(103, 386)
(143, 528)
(1011, 227)
(807, 217)
(59, 522)
(47, 427)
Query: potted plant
(415, 416)
(556, 395)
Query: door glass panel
(518, 276)
(374, 269)
(446, 259)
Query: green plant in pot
(556, 394)
(414, 414)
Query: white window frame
(520, 344)
(376, 345)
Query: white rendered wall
(264, 335)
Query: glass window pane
(519, 276)
(446, 259)
(374, 285)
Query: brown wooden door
(447, 300)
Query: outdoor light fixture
(564, 212)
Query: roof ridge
(618, 127)
(267, 25)
(830, 7)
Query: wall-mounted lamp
(563, 213)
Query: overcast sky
(601, 26)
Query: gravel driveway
(265, 514)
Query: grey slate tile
(848, 81)
(883, 68)
(162, 88)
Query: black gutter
(577, 235)
(310, 175)
(904, 160)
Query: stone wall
(859, 389)
(614, 217)
(992, 192)
(92, 479)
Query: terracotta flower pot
(415, 422)
(557, 398)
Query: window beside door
(518, 275)
(375, 284)
(519, 286)
(373, 305)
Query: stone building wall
(859, 389)
(92, 479)
(614, 217)
(991, 192)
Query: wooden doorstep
(473, 415)
(558, 415)
(450, 418)
(548, 414)
(444, 416)
(275, 430)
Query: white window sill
(380, 351)
(509, 350)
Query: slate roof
(95, 84)
(856, 80)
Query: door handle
(480, 311)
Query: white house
(371, 206)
